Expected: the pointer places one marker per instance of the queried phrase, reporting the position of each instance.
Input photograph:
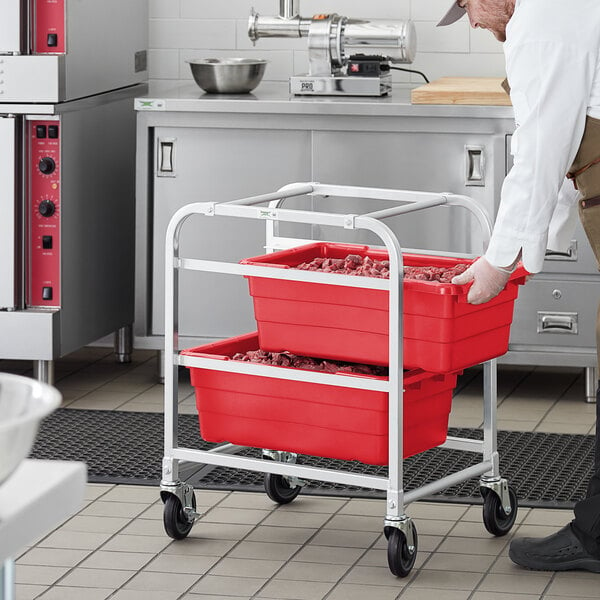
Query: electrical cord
(411, 71)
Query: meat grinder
(346, 56)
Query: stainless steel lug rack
(285, 477)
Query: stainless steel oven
(57, 50)
(66, 231)
(69, 72)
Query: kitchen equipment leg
(123, 344)
(7, 580)
(160, 360)
(43, 370)
(591, 384)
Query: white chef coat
(552, 52)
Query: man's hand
(488, 281)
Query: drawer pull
(553, 322)
(570, 254)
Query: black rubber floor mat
(546, 469)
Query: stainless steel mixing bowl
(24, 403)
(228, 75)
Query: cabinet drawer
(556, 313)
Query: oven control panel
(44, 213)
(49, 34)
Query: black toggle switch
(52, 40)
(47, 293)
(52, 131)
(47, 242)
(40, 131)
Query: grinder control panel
(363, 65)
(44, 213)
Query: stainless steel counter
(275, 98)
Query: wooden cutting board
(462, 90)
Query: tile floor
(315, 548)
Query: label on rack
(49, 27)
(44, 213)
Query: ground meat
(441, 274)
(287, 359)
(354, 264)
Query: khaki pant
(588, 184)
(586, 524)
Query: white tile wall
(183, 29)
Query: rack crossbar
(226, 449)
(400, 210)
(213, 266)
(468, 445)
(292, 190)
(280, 468)
(369, 193)
(283, 215)
(445, 482)
(248, 368)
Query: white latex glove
(488, 281)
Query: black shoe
(561, 551)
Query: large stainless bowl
(24, 402)
(227, 75)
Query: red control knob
(47, 165)
(47, 208)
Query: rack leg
(170, 471)
(490, 418)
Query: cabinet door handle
(557, 322)
(475, 165)
(570, 254)
(166, 157)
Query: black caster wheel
(279, 490)
(496, 521)
(175, 520)
(400, 559)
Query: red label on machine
(49, 27)
(44, 213)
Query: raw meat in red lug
(287, 359)
(357, 265)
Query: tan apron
(585, 173)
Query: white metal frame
(224, 455)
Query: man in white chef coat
(552, 51)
